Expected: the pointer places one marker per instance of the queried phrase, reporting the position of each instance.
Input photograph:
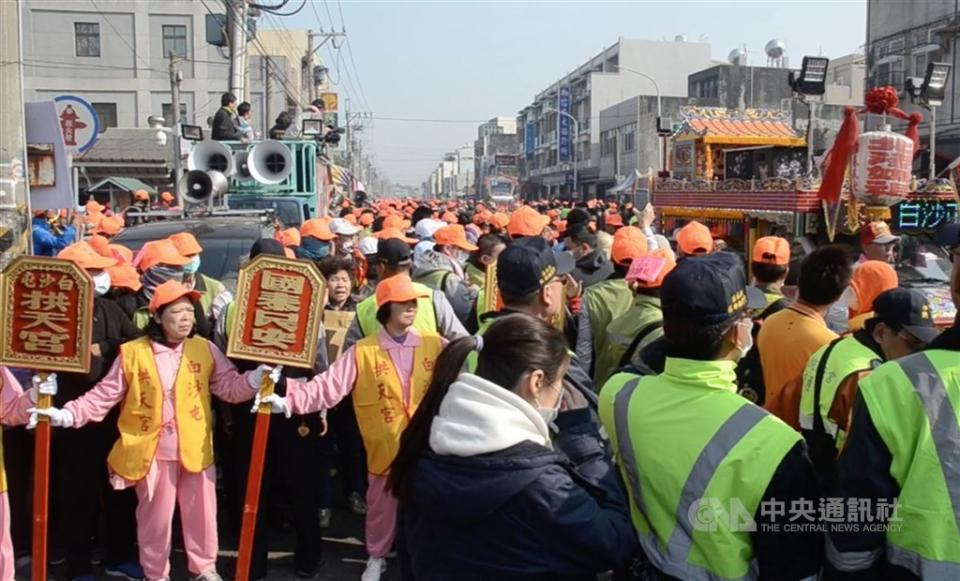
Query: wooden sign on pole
(46, 308)
(279, 308)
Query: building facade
(495, 151)
(113, 54)
(902, 38)
(553, 144)
(14, 207)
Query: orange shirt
(786, 341)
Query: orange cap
(100, 244)
(397, 233)
(526, 222)
(450, 218)
(121, 253)
(125, 276)
(167, 197)
(453, 235)
(93, 219)
(84, 256)
(94, 207)
(141, 195)
(317, 228)
(628, 243)
(499, 220)
(110, 225)
(695, 238)
(186, 243)
(650, 270)
(366, 219)
(614, 219)
(169, 292)
(395, 221)
(772, 250)
(290, 237)
(159, 252)
(869, 280)
(397, 289)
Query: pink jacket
(14, 402)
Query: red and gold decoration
(46, 306)
(279, 306)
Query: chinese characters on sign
(563, 124)
(924, 214)
(820, 514)
(881, 168)
(46, 313)
(277, 321)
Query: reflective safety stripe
(674, 560)
(927, 569)
(851, 561)
(829, 426)
(942, 417)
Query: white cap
(368, 245)
(426, 227)
(341, 227)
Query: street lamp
(929, 93)
(660, 134)
(573, 154)
(809, 86)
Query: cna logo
(712, 514)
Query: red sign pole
(41, 489)
(251, 501)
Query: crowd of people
(551, 391)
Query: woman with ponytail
(501, 473)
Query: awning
(116, 183)
(747, 132)
(627, 184)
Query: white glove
(42, 386)
(255, 377)
(278, 405)
(58, 418)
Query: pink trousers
(381, 522)
(6, 545)
(168, 485)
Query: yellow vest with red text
(378, 396)
(141, 415)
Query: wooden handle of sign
(251, 501)
(41, 488)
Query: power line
(343, 25)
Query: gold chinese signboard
(279, 310)
(46, 306)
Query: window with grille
(167, 111)
(107, 113)
(174, 40)
(87, 38)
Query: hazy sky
(470, 61)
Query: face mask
(549, 414)
(193, 266)
(462, 258)
(346, 246)
(744, 337)
(101, 283)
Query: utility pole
(237, 19)
(175, 78)
(266, 90)
(306, 69)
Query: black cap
(528, 264)
(578, 216)
(394, 252)
(710, 289)
(948, 235)
(581, 233)
(266, 246)
(906, 308)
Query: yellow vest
(378, 396)
(141, 416)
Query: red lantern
(881, 168)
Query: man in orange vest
(388, 374)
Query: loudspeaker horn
(270, 162)
(211, 156)
(199, 187)
(240, 164)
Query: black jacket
(226, 127)
(526, 512)
(111, 328)
(592, 268)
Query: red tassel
(835, 163)
(913, 131)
